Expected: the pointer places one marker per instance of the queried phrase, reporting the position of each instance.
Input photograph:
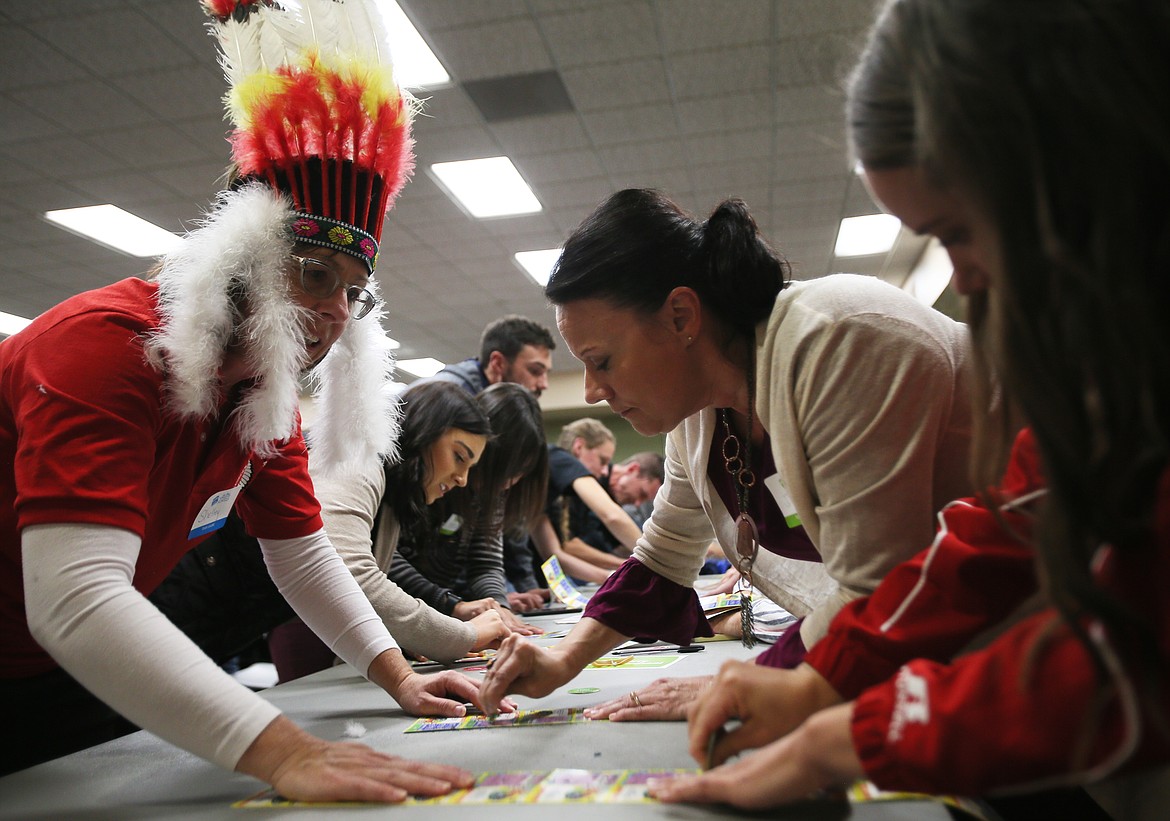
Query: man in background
(512, 349)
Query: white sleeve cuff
(315, 581)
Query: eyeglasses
(319, 280)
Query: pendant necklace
(737, 461)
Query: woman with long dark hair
(445, 434)
(1033, 139)
(452, 558)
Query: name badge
(775, 486)
(452, 525)
(213, 515)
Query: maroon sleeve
(787, 652)
(637, 602)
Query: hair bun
(741, 273)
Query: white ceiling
(119, 101)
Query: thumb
(432, 705)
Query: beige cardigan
(865, 394)
(350, 506)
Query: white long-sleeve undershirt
(83, 609)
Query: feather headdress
(317, 113)
(321, 147)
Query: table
(140, 776)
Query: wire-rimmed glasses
(319, 280)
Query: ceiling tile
(616, 33)
(698, 24)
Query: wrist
(271, 749)
(389, 670)
(827, 738)
(816, 691)
(448, 604)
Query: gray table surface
(140, 776)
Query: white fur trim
(244, 242)
(358, 420)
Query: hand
(468, 610)
(521, 667)
(490, 629)
(528, 600)
(518, 625)
(306, 768)
(510, 620)
(431, 695)
(817, 756)
(769, 702)
(666, 699)
(727, 582)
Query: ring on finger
(634, 698)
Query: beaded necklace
(737, 461)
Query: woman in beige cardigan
(847, 399)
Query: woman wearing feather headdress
(109, 474)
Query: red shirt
(86, 437)
(1018, 712)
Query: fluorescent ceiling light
(538, 264)
(861, 236)
(491, 187)
(421, 367)
(415, 65)
(11, 323)
(930, 276)
(117, 229)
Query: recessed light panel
(117, 229)
(490, 187)
(538, 264)
(863, 236)
(421, 367)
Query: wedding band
(634, 698)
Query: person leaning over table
(578, 464)
(855, 396)
(109, 474)
(632, 484)
(512, 349)
(967, 131)
(452, 557)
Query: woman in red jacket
(1043, 171)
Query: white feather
(287, 23)
(320, 25)
(363, 31)
(357, 418)
(273, 48)
(244, 240)
(239, 45)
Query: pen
(690, 648)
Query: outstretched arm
(616, 520)
(547, 545)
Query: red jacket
(1017, 712)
